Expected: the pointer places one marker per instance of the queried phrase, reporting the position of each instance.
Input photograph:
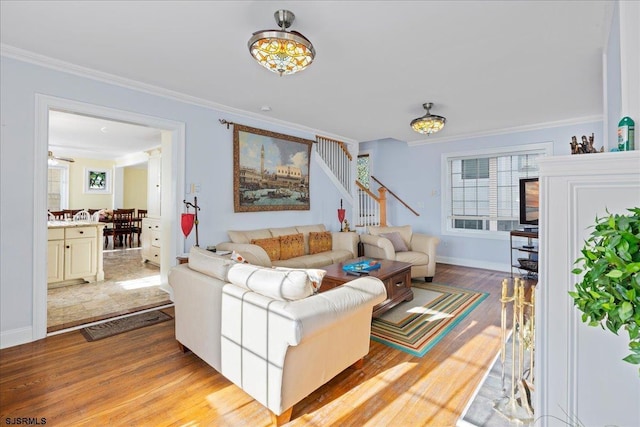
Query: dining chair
(82, 216)
(95, 214)
(142, 213)
(59, 215)
(71, 212)
(122, 230)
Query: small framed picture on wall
(97, 181)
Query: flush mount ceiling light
(281, 51)
(428, 123)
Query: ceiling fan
(53, 158)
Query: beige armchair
(401, 244)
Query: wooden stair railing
(396, 196)
(372, 209)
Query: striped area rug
(416, 326)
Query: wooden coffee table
(395, 275)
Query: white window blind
(482, 189)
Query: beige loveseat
(400, 243)
(266, 330)
(339, 246)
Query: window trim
(368, 154)
(64, 189)
(445, 184)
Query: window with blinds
(483, 189)
(57, 188)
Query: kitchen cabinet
(151, 240)
(154, 181)
(74, 252)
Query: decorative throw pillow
(320, 242)
(291, 246)
(315, 275)
(396, 240)
(282, 285)
(270, 245)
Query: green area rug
(125, 324)
(416, 326)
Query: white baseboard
(16, 337)
(474, 263)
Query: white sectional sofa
(343, 246)
(268, 331)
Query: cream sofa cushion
(283, 285)
(315, 275)
(209, 263)
(283, 231)
(246, 236)
(404, 230)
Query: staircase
(369, 209)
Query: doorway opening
(172, 146)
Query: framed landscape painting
(270, 171)
(97, 181)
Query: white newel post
(580, 376)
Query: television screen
(529, 201)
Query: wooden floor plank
(141, 378)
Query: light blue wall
(414, 174)
(614, 80)
(209, 162)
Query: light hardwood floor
(141, 378)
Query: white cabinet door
(154, 180)
(55, 261)
(80, 258)
(151, 240)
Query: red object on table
(187, 221)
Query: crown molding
(505, 131)
(90, 73)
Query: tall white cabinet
(150, 237)
(580, 374)
(154, 183)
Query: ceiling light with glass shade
(429, 123)
(283, 52)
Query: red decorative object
(187, 222)
(341, 214)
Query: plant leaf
(633, 358)
(614, 274)
(625, 311)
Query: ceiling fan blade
(63, 159)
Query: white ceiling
(486, 65)
(82, 136)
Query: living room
(203, 152)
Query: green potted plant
(609, 293)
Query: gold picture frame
(270, 171)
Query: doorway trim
(173, 173)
